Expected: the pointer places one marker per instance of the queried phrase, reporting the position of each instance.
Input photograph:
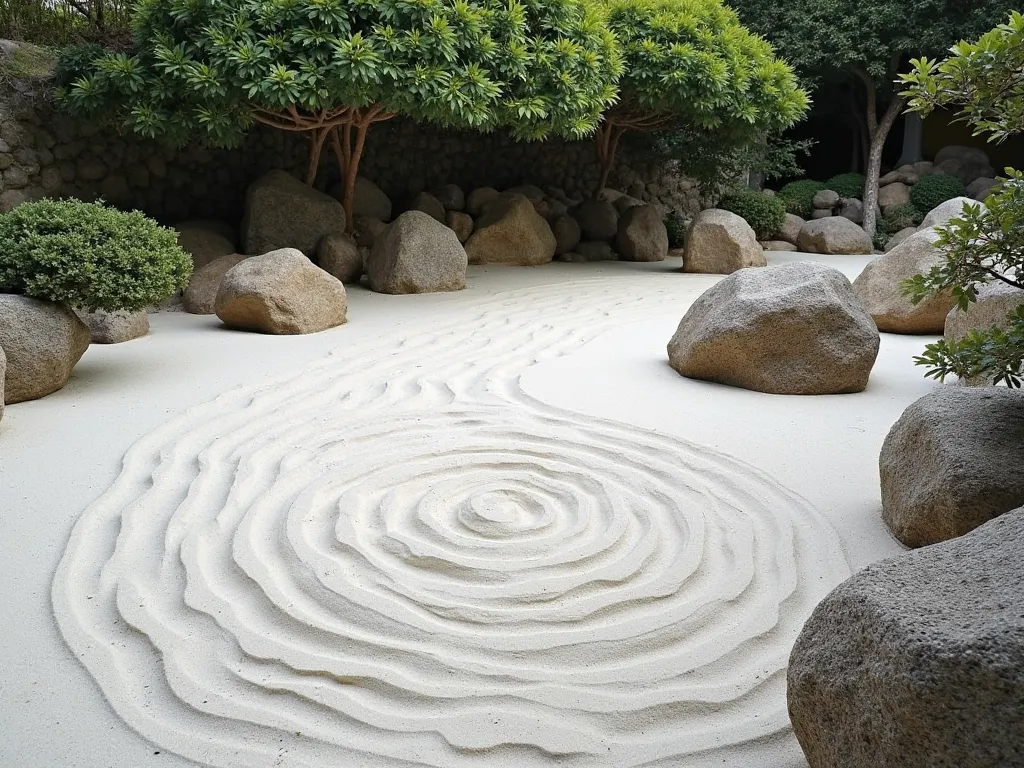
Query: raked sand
(490, 528)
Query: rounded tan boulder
(42, 341)
(281, 292)
(206, 240)
(834, 235)
(879, 287)
(339, 255)
(511, 232)
(719, 242)
(791, 329)
(995, 301)
(201, 294)
(115, 327)
(282, 212)
(416, 254)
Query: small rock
(720, 242)
(777, 245)
(417, 254)
(851, 208)
(791, 226)
(567, 234)
(429, 205)
(826, 199)
(461, 224)
(598, 219)
(338, 255)
(201, 294)
(282, 213)
(943, 213)
(42, 342)
(114, 327)
(451, 197)
(821, 213)
(834, 235)
(510, 232)
(899, 237)
(281, 292)
(896, 193)
(529, 191)
(593, 250)
(951, 463)
(368, 230)
(206, 240)
(369, 201)
(980, 188)
(479, 198)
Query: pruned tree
(984, 81)
(690, 66)
(330, 69)
(867, 41)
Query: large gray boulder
(792, 329)
(281, 292)
(980, 188)
(429, 205)
(369, 201)
(511, 232)
(598, 219)
(114, 327)
(952, 463)
(969, 163)
(834, 235)
(899, 237)
(461, 224)
(918, 661)
(945, 212)
(206, 240)
(201, 294)
(719, 242)
(416, 254)
(451, 197)
(339, 255)
(282, 212)
(642, 234)
(879, 287)
(42, 342)
(567, 234)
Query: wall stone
(47, 154)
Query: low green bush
(847, 185)
(676, 226)
(896, 217)
(764, 213)
(935, 189)
(89, 256)
(798, 196)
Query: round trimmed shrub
(764, 213)
(798, 196)
(933, 190)
(89, 256)
(847, 185)
(897, 217)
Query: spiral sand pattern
(397, 557)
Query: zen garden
(512, 383)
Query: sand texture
(397, 556)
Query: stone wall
(43, 153)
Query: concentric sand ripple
(396, 557)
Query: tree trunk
(874, 168)
(316, 139)
(607, 139)
(352, 169)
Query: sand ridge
(395, 556)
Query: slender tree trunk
(874, 168)
(607, 139)
(352, 169)
(316, 138)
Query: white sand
(494, 528)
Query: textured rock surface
(878, 287)
(282, 212)
(794, 329)
(429, 205)
(451, 197)
(952, 462)
(461, 224)
(945, 212)
(567, 234)
(201, 293)
(995, 301)
(642, 235)
(826, 199)
(598, 219)
(42, 342)
(592, 250)
(115, 327)
(791, 226)
(206, 240)
(720, 242)
(918, 661)
(281, 292)
(339, 255)
(896, 193)
(833, 235)
(370, 201)
(417, 254)
(899, 237)
(512, 233)
(479, 198)
(777, 245)
(979, 189)
(3, 375)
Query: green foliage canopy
(89, 256)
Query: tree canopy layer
(210, 68)
(689, 65)
(869, 40)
